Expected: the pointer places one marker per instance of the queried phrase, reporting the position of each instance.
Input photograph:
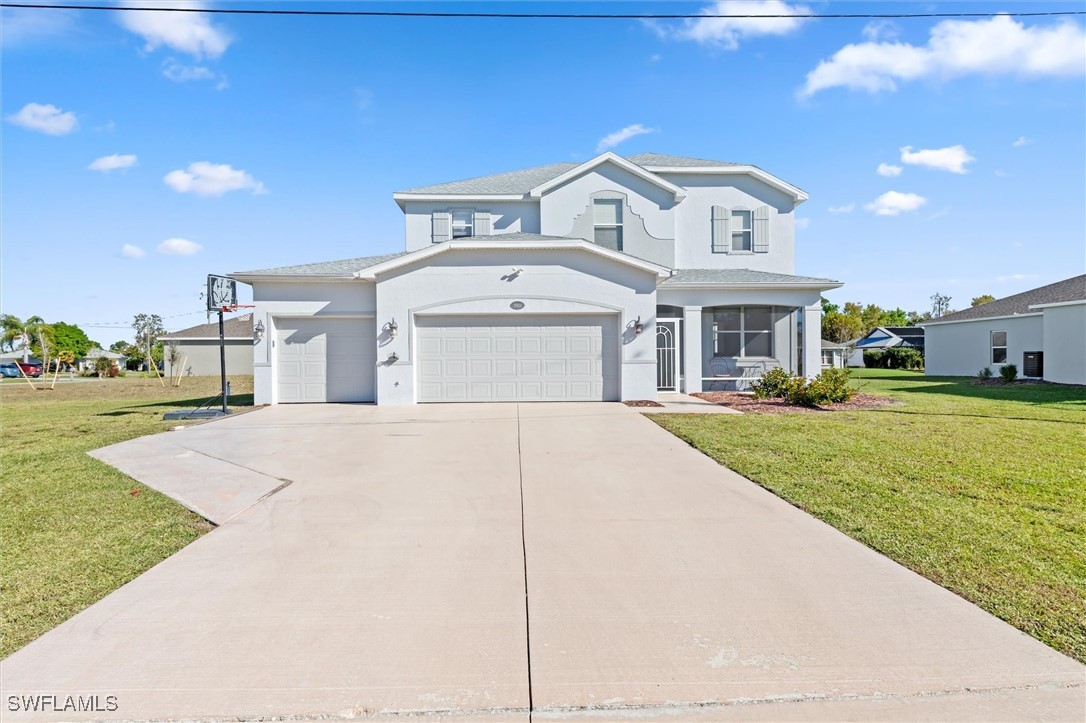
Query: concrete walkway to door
(478, 561)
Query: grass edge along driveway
(73, 529)
(981, 489)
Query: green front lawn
(71, 530)
(979, 488)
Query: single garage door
(517, 358)
(326, 360)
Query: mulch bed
(746, 403)
(642, 403)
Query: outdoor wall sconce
(393, 357)
(258, 330)
(391, 328)
(638, 326)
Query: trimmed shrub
(829, 387)
(903, 357)
(984, 374)
(874, 359)
(773, 384)
(1008, 373)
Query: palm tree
(12, 329)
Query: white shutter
(442, 226)
(722, 238)
(482, 223)
(761, 230)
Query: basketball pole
(222, 361)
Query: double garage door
(517, 358)
(326, 360)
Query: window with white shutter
(761, 230)
(721, 235)
(441, 225)
(463, 224)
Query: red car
(30, 369)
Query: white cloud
(105, 164)
(132, 252)
(190, 33)
(888, 170)
(212, 179)
(847, 208)
(655, 58)
(1022, 141)
(180, 73)
(179, 247)
(25, 26)
(613, 139)
(802, 223)
(1017, 277)
(997, 46)
(951, 158)
(45, 119)
(893, 203)
(881, 30)
(727, 32)
(1000, 173)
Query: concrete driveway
(572, 560)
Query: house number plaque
(517, 305)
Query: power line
(535, 16)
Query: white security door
(326, 360)
(507, 358)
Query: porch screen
(742, 331)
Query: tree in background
(982, 299)
(148, 328)
(840, 328)
(38, 337)
(894, 317)
(118, 347)
(71, 339)
(940, 305)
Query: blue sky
(301, 129)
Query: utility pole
(222, 362)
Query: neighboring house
(604, 280)
(17, 356)
(1041, 331)
(198, 347)
(884, 337)
(92, 357)
(833, 355)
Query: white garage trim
(325, 360)
(510, 357)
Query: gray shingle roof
(343, 267)
(240, 327)
(1073, 289)
(521, 236)
(511, 183)
(661, 159)
(518, 183)
(738, 276)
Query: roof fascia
(755, 285)
(678, 192)
(1073, 302)
(371, 272)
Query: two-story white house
(613, 279)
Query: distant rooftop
(1073, 289)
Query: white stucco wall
(560, 206)
(346, 299)
(470, 282)
(693, 222)
(505, 217)
(964, 348)
(1065, 343)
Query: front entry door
(667, 354)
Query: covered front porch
(725, 339)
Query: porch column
(812, 340)
(692, 349)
